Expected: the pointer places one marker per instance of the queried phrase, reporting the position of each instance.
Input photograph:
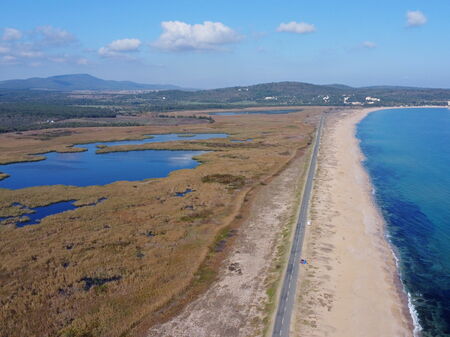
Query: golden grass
(149, 251)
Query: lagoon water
(88, 168)
(247, 112)
(408, 158)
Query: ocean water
(88, 168)
(408, 158)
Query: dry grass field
(120, 266)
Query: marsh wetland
(154, 242)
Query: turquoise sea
(408, 158)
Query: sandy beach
(350, 286)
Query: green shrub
(232, 181)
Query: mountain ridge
(84, 81)
(73, 82)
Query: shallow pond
(88, 168)
(241, 140)
(35, 215)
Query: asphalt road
(287, 295)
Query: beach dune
(350, 285)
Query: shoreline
(402, 291)
(352, 285)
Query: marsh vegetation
(117, 267)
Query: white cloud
(66, 59)
(103, 51)
(4, 50)
(53, 36)
(181, 36)
(31, 54)
(34, 48)
(11, 34)
(415, 18)
(296, 27)
(118, 48)
(8, 59)
(369, 44)
(125, 45)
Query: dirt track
(235, 305)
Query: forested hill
(24, 109)
(78, 82)
(279, 93)
(298, 93)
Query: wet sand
(350, 285)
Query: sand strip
(350, 286)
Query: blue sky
(242, 42)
